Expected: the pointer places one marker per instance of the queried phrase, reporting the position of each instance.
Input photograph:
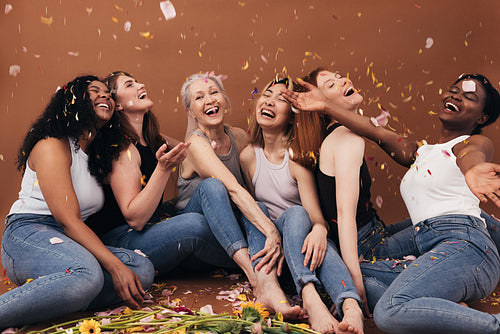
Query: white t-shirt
(89, 193)
(435, 186)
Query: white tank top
(273, 184)
(88, 191)
(435, 186)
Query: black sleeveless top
(328, 200)
(110, 216)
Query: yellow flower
(256, 306)
(90, 327)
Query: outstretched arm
(482, 177)
(398, 147)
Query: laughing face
(102, 102)
(272, 110)
(463, 104)
(207, 103)
(334, 86)
(131, 96)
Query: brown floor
(197, 290)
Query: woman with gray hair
(210, 182)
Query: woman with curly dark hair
(133, 161)
(45, 237)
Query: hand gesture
(314, 247)
(311, 100)
(128, 286)
(172, 158)
(272, 254)
(484, 181)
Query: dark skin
(473, 155)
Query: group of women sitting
(91, 229)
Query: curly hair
(68, 114)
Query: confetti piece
(245, 66)
(115, 20)
(56, 240)
(88, 10)
(213, 143)
(146, 35)
(468, 86)
(429, 42)
(379, 201)
(14, 70)
(254, 91)
(127, 26)
(167, 9)
(35, 183)
(74, 54)
(343, 283)
(8, 8)
(46, 20)
(129, 154)
(264, 59)
(446, 153)
(428, 171)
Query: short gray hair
(186, 94)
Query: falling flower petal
(428, 42)
(14, 70)
(126, 26)
(167, 9)
(8, 8)
(468, 86)
(382, 119)
(379, 201)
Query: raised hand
(484, 181)
(174, 157)
(311, 100)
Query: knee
(85, 285)
(139, 264)
(298, 217)
(384, 315)
(212, 185)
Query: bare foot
(268, 292)
(320, 318)
(353, 320)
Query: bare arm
(248, 161)
(346, 150)
(482, 177)
(51, 159)
(398, 147)
(203, 160)
(137, 204)
(314, 245)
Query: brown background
(374, 41)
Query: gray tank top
(231, 160)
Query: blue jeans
(294, 225)
(375, 239)
(66, 276)
(172, 241)
(457, 261)
(212, 200)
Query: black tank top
(327, 188)
(110, 216)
